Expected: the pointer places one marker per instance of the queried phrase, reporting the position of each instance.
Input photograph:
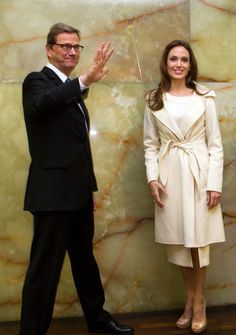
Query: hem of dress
(191, 246)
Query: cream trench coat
(188, 161)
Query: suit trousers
(54, 234)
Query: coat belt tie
(188, 148)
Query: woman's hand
(213, 199)
(157, 191)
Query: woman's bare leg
(199, 305)
(195, 306)
(185, 320)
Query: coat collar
(196, 109)
(168, 121)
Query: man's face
(58, 55)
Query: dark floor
(221, 321)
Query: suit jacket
(61, 175)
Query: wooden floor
(221, 321)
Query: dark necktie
(80, 107)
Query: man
(60, 185)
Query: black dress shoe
(110, 326)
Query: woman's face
(178, 63)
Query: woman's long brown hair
(155, 97)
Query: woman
(184, 165)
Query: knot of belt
(187, 147)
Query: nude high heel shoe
(183, 322)
(200, 326)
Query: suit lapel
(51, 75)
(85, 112)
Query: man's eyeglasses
(69, 47)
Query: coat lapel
(165, 118)
(196, 109)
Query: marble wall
(134, 269)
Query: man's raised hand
(98, 68)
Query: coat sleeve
(215, 147)
(151, 140)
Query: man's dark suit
(59, 194)
(61, 174)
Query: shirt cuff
(82, 86)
